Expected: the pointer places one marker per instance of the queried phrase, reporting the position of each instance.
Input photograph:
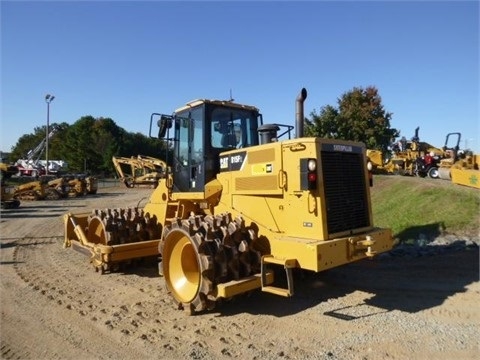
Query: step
(288, 265)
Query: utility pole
(48, 99)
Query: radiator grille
(345, 191)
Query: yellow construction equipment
(8, 200)
(459, 166)
(466, 171)
(142, 170)
(378, 163)
(7, 171)
(77, 185)
(408, 158)
(71, 185)
(59, 184)
(7, 197)
(8, 191)
(226, 217)
(35, 190)
(91, 183)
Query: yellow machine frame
(466, 171)
(298, 203)
(143, 170)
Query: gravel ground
(419, 301)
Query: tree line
(89, 144)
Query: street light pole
(48, 99)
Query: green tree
(89, 145)
(26, 143)
(29, 142)
(360, 116)
(144, 145)
(77, 145)
(323, 124)
(55, 142)
(107, 141)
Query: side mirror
(164, 123)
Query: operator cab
(198, 132)
(452, 145)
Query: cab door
(188, 164)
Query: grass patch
(411, 206)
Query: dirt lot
(55, 306)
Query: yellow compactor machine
(227, 216)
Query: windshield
(233, 128)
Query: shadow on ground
(397, 283)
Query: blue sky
(125, 60)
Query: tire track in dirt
(132, 306)
(8, 353)
(56, 274)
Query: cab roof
(226, 103)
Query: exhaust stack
(299, 115)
